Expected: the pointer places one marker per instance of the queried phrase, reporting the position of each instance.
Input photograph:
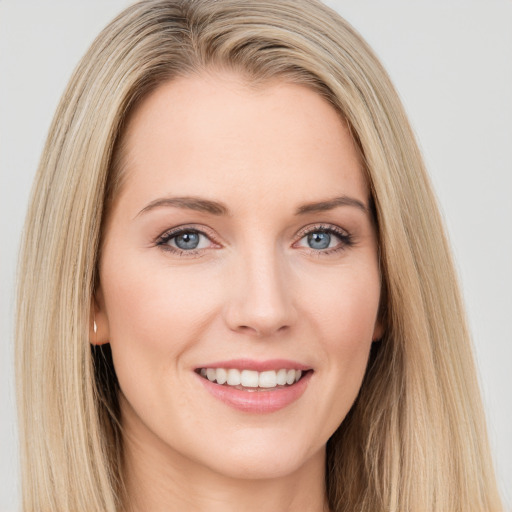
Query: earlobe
(99, 332)
(378, 331)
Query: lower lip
(257, 401)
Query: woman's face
(241, 246)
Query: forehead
(212, 134)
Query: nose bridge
(261, 302)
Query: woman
(254, 304)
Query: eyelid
(331, 228)
(204, 230)
(346, 239)
(163, 238)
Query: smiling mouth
(251, 380)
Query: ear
(99, 332)
(378, 330)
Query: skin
(254, 289)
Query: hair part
(415, 438)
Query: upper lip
(259, 366)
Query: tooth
(222, 375)
(281, 377)
(268, 379)
(290, 377)
(249, 378)
(233, 377)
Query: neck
(164, 480)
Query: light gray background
(451, 61)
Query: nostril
(260, 331)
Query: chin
(260, 467)
(265, 460)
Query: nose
(261, 298)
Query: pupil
(188, 240)
(319, 240)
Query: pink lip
(257, 401)
(259, 366)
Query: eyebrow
(190, 203)
(218, 208)
(330, 204)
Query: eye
(184, 240)
(325, 239)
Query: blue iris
(319, 240)
(187, 240)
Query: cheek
(344, 305)
(153, 317)
(344, 313)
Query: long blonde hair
(415, 439)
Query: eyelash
(165, 238)
(346, 239)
